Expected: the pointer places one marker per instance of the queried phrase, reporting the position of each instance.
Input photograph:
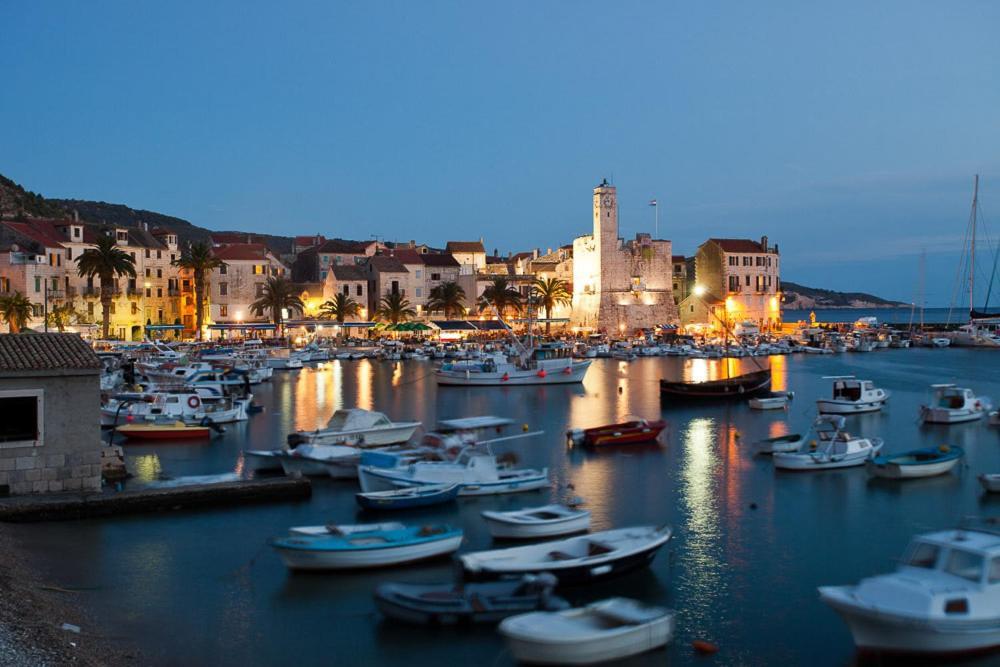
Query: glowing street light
(699, 290)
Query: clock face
(608, 200)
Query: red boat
(626, 433)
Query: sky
(847, 132)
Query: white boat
(995, 418)
(769, 402)
(916, 463)
(358, 428)
(790, 442)
(953, 405)
(475, 469)
(284, 362)
(534, 522)
(943, 599)
(345, 529)
(262, 460)
(611, 629)
(851, 396)
(940, 341)
(337, 461)
(549, 363)
(830, 447)
(572, 560)
(990, 482)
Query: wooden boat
(738, 387)
(611, 629)
(573, 560)
(954, 405)
(790, 442)
(409, 497)
(768, 402)
(626, 433)
(925, 462)
(990, 482)
(448, 604)
(365, 549)
(852, 396)
(164, 431)
(534, 522)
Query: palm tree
(549, 293)
(395, 308)
(61, 315)
(16, 310)
(501, 296)
(198, 258)
(340, 307)
(447, 297)
(106, 261)
(278, 295)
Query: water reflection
(145, 467)
(363, 374)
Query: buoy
(944, 449)
(704, 647)
(753, 506)
(505, 377)
(541, 373)
(524, 427)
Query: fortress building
(620, 287)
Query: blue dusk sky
(848, 132)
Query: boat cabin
(950, 397)
(972, 555)
(852, 390)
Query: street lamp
(699, 290)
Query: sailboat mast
(972, 245)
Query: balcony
(135, 292)
(173, 291)
(95, 292)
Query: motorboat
(358, 428)
(631, 432)
(953, 405)
(830, 447)
(536, 522)
(925, 462)
(549, 363)
(851, 396)
(990, 482)
(408, 497)
(790, 442)
(369, 548)
(336, 461)
(994, 418)
(486, 602)
(574, 560)
(476, 470)
(611, 629)
(944, 598)
(742, 386)
(262, 460)
(170, 430)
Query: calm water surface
(202, 588)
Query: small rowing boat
(164, 431)
(626, 433)
(379, 547)
(409, 497)
(925, 462)
(790, 442)
(535, 522)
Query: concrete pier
(61, 507)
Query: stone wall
(69, 458)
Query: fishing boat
(953, 405)
(990, 482)
(535, 522)
(830, 447)
(790, 442)
(631, 432)
(369, 548)
(574, 560)
(742, 386)
(476, 471)
(486, 602)
(336, 461)
(611, 629)
(944, 599)
(925, 462)
(408, 497)
(851, 396)
(357, 428)
(172, 430)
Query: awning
(243, 326)
(164, 327)
(489, 325)
(454, 325)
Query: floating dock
(63, 506)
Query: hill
(800, 297)
(18, 203)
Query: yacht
(851, 396)
(953, 405)
(943, 599)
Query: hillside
(18, 203)
(800, 297)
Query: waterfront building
(740, 281)
(313, 264)
(620, 287)
(50, 434)
(680, 278)
(240, 282)
(470, 255)
(349, 280)
(303, 243)
(386, 275)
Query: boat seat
(598, 549)
(560, 555)
(333, 529)
(427, 531)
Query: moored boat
(358, 428)
(790, 442)
(742, 386)
(365, 549)
(537, 522)
(408, 497)
(954, 405)
(990, 482)
(336, 461)
(779, 402)
(851, 396)
(626, 433)
(925, 462)
(831, 447)
(611, 629)
(164, 431)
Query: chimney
(535, 253)
(413, 243)
(76, 216)
(763, 243)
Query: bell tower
(605, 229)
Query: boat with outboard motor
(952, 404)
(851, 396)
(830, 447)
(358, 428)
(635, 430)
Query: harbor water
(750, 546)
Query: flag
(652, 202)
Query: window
(159, 292)
(322, 275)
(338, 260)
(435, 276)
(159, 273)
(135, 308)
(76, 232)
(258, 269)
(347, 290)
(965, 564)
(148, 273)
(419, 292)
(748, 280)
(90, 308)
(149, 292)
(121, 235)
(923, 554)
(222, 270)
(147, 253)
(38, 284)
(69, 253)
(173, 257)
(326, 259)
(223, 289)
(133, 257)
(159, 254)
(223, 311)
(395, 287)
(359, 290)
(22, 425)
(419, 274)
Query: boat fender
(704, 647)
(505, 377)
(541, 373)
(193, 401)
(944, 449)
(812, 444)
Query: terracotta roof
(406, 255)
(344, 246)
(43, 352)
(43, 232)
(435, 259)
(384, 264)
(678, 258)
(465, 246)
(737, 245)
(220, 238)
(309, 240)
(522, 255)
(240, 251)
(348, 273)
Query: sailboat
(983, 328)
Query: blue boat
(925, 462)
(329, 548)
(409, 497)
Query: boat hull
(521, 531)
(373, 438)
(386, 479)
(897, 471)
(795, 461)
(262, 461)
(143, 432)
(466, 378)
(832, 407)
(368, 502)
(742, 387)
(943, 416)
(299, 559)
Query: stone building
(620, 287)
(50, 433)
(233, 287)
(386, 275)
(313, 264)
(349, 280)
